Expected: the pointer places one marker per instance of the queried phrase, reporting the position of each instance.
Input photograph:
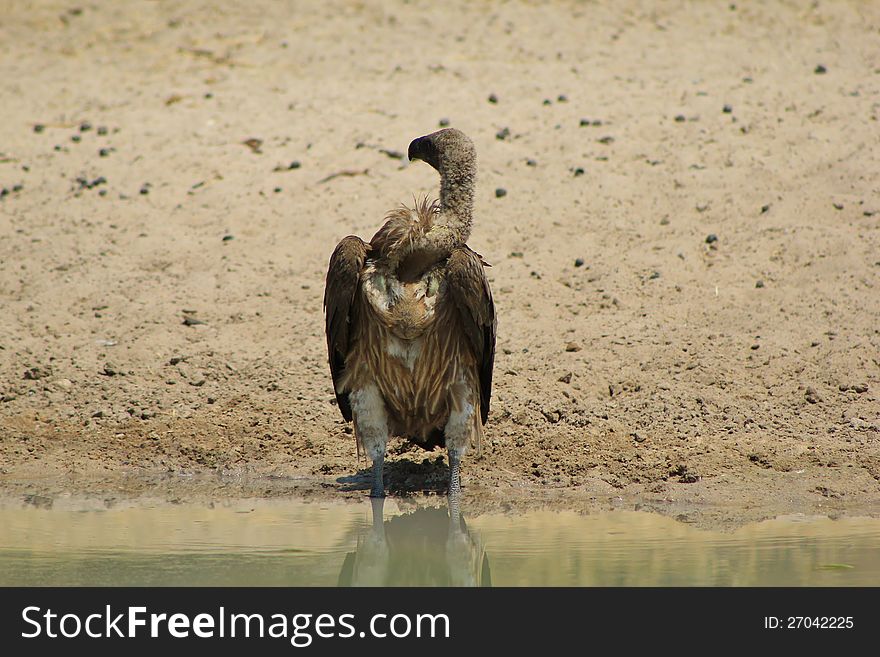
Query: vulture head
(450, 151)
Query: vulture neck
(452, 226)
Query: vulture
(410, 320)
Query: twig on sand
(344, 172)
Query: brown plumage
(411, 322)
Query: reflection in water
(427, 547)
(293, 543)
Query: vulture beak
(424, 148)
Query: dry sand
(641, 361)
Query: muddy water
(259, 542)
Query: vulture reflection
(427, 547)
(410, 320)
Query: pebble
(727, 109)
(572, 347)
(606, 140)
(493, 98)
(579, 171)
(444, 122)
(562, 98)
(838, 206)
(277, 190)
(500, 192)
(36, 373)
(228, 238)
(639, 438)
(565, 378)
(504, 133)
(711, 238)
(820, 70)
(190, 320)
(759, 284)
(85, 126)
(104, 152)
(679, 118)
(145, 189)
(858, 387)
(811, 395)
(578, 262)
(294, 165)
(765, 209)
(76, 139)
(109, 370)
(39, 127)
(102, 130)
(531, 163)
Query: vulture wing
(469, 289)
(343, 282)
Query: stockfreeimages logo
(300, 629)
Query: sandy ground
(686, 261)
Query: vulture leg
(371, 428)
(458, 431)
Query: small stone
(277, 190)
(562, 98)
(109, 370)
(578, 262)
(294, 165)
(680, 118)
(572, 347)
(759, 284)
(104, 152)
(39, 127)
(838, 206)
(654, 275)
(211, 400)
(727, 109)
(711, 238)
(607, 140)
(585, 122)
(102, 130)
(812, 396)
(175, 360)
(765, 209)
(639, 438)
(76, 139)
(755, 347)
(546, 102)
(228, 238)
(190, 320)
(36, 373)
(579, 171)
(443, 122)
(531, 163)
(565, 378)
(145, 190)
(664, 221)
(98, 414)
(502, 134)
(493, 98)
(500, 192)
(820, 70)
(85, 126)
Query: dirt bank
(685, 264)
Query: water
(290, 543)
